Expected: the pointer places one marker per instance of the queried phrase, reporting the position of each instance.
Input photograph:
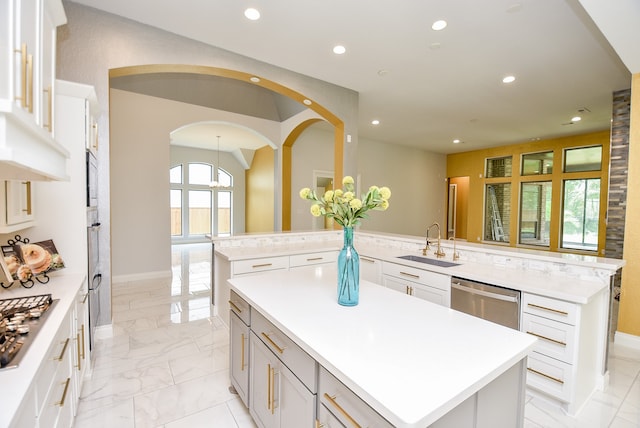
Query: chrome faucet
(438, 252)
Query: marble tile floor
(166, 364)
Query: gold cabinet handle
(273, 389)
(49, 125)
(30, 82)
(274, 344)
(364, 259)
(79, 347)
(558, 342)
(64, 348)
(410, 275)
(313, 259)
(555, 379)
(235, 307)
(64, 393)
(544, 308)
(261, 265)
(343, 412)
(268, 386)
(319, 424)
(86, 296)
(27, 185)
(23, 74)
(242, 354)
(83, 340)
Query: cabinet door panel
(263, 362)
(239, 357)
(294, 402)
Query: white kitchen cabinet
(239, 322)
(278, 398)
(17, 205)
(371, 269)
(27, 63)
(313, 259)
(423, 284)
(81, 357)
(563, 363)
(53, 383)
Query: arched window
(208, 203)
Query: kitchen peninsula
(414, 363)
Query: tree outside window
(581, 214)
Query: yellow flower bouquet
(342, 204)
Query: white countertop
(409, 359)
(63, 286)
(569, 286)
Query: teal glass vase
(348, 271)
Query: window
(197, 209)
(581, 214)
(583, 159)
(497, 212)
(498, 167)
(199, 212)
(537, 163)
(535, 212)
(176, 212)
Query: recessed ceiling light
(456, 141)
(339, 49)
(255, 79)
(375, 122)
(441, 24)
(252, 14)
(306, 102)
(508, 79)
(576, 119)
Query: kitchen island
(416, 364)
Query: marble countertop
(581, 278)
(409, 359)
(63, 286)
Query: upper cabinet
(28, 150)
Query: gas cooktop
(20, 321)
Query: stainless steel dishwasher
(489, 302)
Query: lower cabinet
(278, 397)
(239, 356)
(345, 406)
(371, 269)
(430, 286)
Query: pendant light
(215, 183)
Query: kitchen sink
(435, 262)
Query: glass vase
(348, 271)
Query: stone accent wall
(619, 165)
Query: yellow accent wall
(471, 164)
(629, 312)
(260, 192)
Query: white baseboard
(104, 331)
(141, 276)
(628, 340)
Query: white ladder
(496, 223)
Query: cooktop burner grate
(20, 321)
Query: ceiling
(426, 87)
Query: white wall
(417, 180)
